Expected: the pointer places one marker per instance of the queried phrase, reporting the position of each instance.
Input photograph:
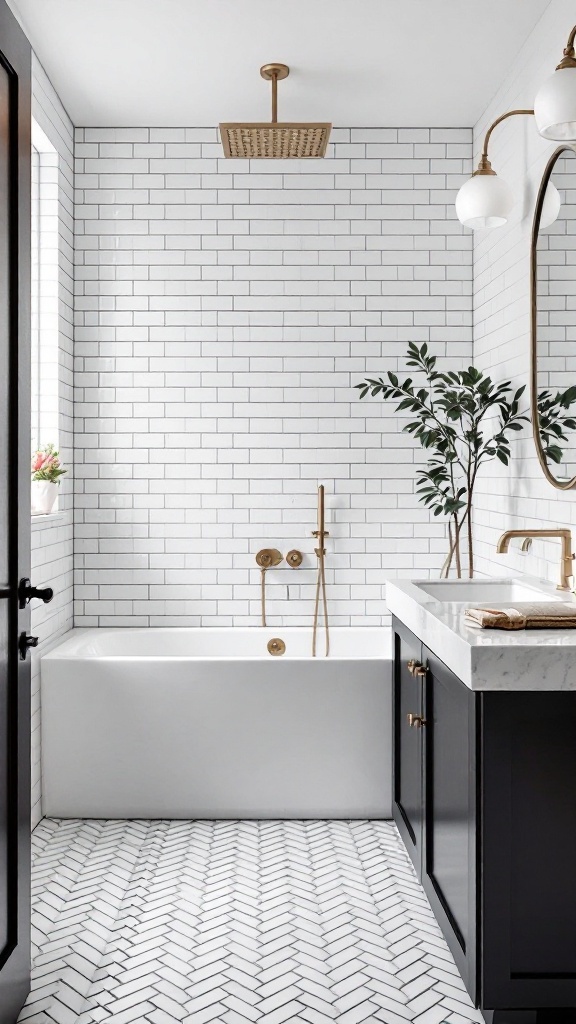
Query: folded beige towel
(524, 615)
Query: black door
(14, 514)
(449, 866)
(408, 766)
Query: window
(44, 280)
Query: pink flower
(46, 465)
(38, 461)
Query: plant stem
(453, 550)
(470, 539)
(457, 548)
(445, 570)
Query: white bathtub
(205, 723)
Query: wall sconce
(485, 200)
(555, 103)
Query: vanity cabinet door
(449, 848)
(529, 850)
(408, 767)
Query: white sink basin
(487, 659)
(500, 592)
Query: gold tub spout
(567, 556)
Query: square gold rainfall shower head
(275, 141)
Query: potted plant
(46, 472)
(464, 420)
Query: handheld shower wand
(320, 553)
(266, 559)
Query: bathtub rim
(56, 653)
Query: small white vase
(43, 494)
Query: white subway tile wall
(52, 541)
(518, 497)
(223, 312)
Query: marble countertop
(487, 659)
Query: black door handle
(24, 642)
(26, 592)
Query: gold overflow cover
(276, 646)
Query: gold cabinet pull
(415, 721)
(415, 668)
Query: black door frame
(15, 55)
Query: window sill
(42, 520)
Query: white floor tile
(161, 922)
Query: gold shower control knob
(267, 558)
(294, 558)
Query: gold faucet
(567, 557)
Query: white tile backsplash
(223, 312)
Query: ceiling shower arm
(274, 73)
(484, 166)
(274, 97)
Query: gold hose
(266, 559)
(263, 595)
(320, 553)
(320, 587)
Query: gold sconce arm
(484, 166)
(568, 59)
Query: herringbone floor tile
(237, 921)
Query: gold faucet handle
(267, 558)
(294, 558)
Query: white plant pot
(44, 494)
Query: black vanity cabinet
(435, 790)
(485, 802)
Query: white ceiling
(353, 62)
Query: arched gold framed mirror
(553, 320)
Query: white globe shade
(484, 201)
(555, 106)
(550, 206)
